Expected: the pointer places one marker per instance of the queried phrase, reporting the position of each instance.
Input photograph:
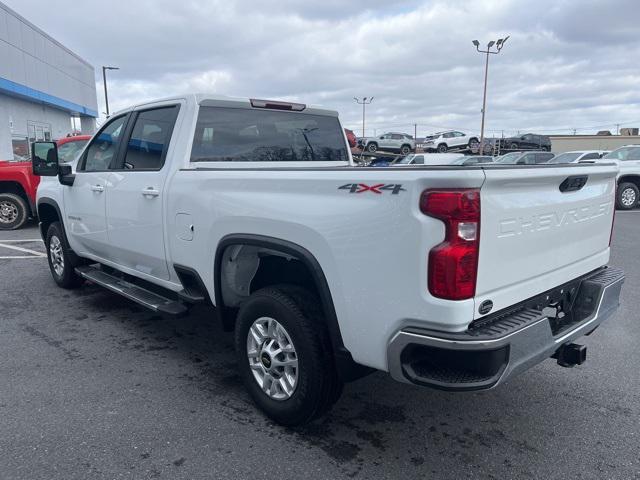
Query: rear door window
(149, 140)
(250, 135)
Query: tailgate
(538, 232)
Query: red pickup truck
(18, 184)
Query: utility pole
(104, 82)
(498, 44)
(415, 137)
(617, 129)
(364, 102)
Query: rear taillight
(453, 264)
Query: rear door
(536, 233)
(135, 195)
(84, 201)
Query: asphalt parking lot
(95, 387)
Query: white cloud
(568, 64)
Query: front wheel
(62, 270)
(405, 149)
(13, 211)
(442, 148)
(627, 196)
(513, 146)
(372, 147)
(284, 355)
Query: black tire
(14, 211)
(442, 148)
(372, 147)
(318, 386)
(473, 143)
(66, 276)
(405, 149)
(627, 196)
(513, 146)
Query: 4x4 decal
(379, 188)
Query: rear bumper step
(152, 301)
(507, 343)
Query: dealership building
(46, 90)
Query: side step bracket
(142, 296)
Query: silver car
(390, 142)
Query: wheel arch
(345, 364)
(635, 179)
(16, 188)
(49, 212)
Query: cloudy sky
(569, 64)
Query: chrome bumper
(506, 343)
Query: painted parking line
(32, 253)
(27, 240)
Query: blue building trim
(12, 88)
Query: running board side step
(142, 296)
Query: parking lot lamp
(364, 102)
(104, 82)
(499, 44)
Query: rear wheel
(284, 355)
(372, 147)
(13, 211)
(405, 149)
(474, 144)
(442, 148)
(62, 269)
(627, 196)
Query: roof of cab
(222, 101)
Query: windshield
(509, 158)
(567, 157)
(250, 135)
(625, 153)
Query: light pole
(498, 44)
(104, 82)
(364, 101)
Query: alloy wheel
(8, 212)
(272, 358)
(56, 255)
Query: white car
(255, 207)
(627, 159)
(578, 156)
(443, 141)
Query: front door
(84, 201)
(136, 194)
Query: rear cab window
(227, 134)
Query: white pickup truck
(256, 207)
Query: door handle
(150, 192)
(97, 188)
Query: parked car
(17, 193)
(293, 258)
(525, 158)
(351, 137)
(526, 142)
(452, 139)
(577, 156)
(628, 160)
(70, 147)
(391, 142)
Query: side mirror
(44, 157)
(522, 138)
(381, 138)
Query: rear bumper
(506, 343)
